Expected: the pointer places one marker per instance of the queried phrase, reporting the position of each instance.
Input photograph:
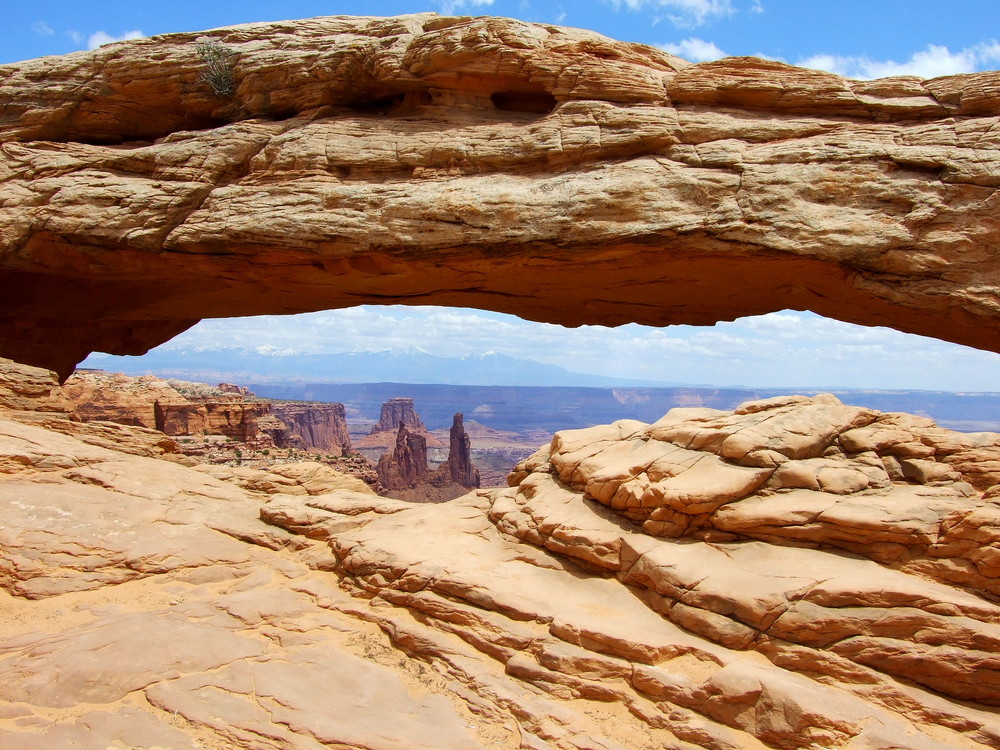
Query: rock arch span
(548, 172)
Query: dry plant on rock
(218, 67)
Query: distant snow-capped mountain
(267, 364)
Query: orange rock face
(548, 172)
(156, 404)
(181, 408)
(406, 464)
(794, 574)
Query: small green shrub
(218, 67)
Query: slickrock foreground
(543, 171)
(795, 574)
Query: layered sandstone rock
(543, 171)
(173, 408)
(181, 408)
(31, 392)
(458, 467)
(173, 597)
(237, 389)
(403, 467)
(404, 473)
(315, 426)
(783, 530)
(396, 412)
(830, 601)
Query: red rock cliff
(319, 426)
(396, 412)
(172, 407)
(406, 465)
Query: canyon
(788, 572)
(535, 412)
(254, 428)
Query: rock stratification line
(547, 172)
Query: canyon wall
(180, 408)
(157, 404)
(543, 171)
(319, 426)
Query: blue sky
(794, 30)
(857, 38)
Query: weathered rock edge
(537, 170)
(798, 573)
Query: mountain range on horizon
(398, 365)
(553, 408)
(505, 392)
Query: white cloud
(76, 36)
(781, 349)
(42, 29)
(930, 62)
(98, 38)
(683, 13)
(450, 7)
(757, 7)
(694, 49)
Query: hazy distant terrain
(502, 392)
(535, 409)
(407, 365)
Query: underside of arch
(480, 162)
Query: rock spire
(458, 468)
(406, 464)
(396, 412)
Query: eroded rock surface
(794, 574)
(319, 426)
(458, 467)
(543, 171)
(406, 463)
(404, 473)
(181, 408)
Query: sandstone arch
(547, 172)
